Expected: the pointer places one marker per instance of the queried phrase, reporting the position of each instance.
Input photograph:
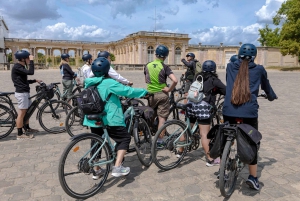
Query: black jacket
(190, 71)
(19, 77)
(68, 73)
(212, 86)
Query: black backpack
(90, 101)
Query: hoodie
(257, 76)
(114, 113)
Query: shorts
(251, 121)
(160, 104)
(23, 100)
(67, 88)
(200, 122)
(187, 86)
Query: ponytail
(241, 87)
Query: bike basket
(49, 91)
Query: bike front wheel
(80, 162)
(228, 169)
(7, 121)
(165, 152)
(54, 121)
(143, 142)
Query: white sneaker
(120, 171)
(99, 173)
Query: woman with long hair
(243, 78)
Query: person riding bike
(190, 63)
(114, 117)
(67, 75)
(19, 76)
(156, 73)
(112, 73)
(243, 78)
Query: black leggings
(251, 121)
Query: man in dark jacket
(19, 75)
(190, 64)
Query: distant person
(19, 75)
(243, 78)
(67, 75)
(85, 71)
(233, 58)
(190, 64)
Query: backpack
(195, 93)
(90, 101)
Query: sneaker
(120, 171)
(213, 162)
(25, 136)
(99, 173)
(253, 182)
(178, 154)
(160, 145)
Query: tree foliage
(112, 57)
(9, 57)
(269, 37)
(289, 16)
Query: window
(177, 55)
(150, 53)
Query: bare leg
(120, 156)
(204, 129)
(253, 170)
(161, 122)
(20, 118)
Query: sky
(210, 22)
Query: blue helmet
(22, 54)
(64, 56)
(162, 51)
(209, 66)
(234, 58)
(191, 55)
(86, 57)
(104, 54)
(247, 51)
(100, 67)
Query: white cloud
(266, 13)
(231, 35)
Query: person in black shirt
(19, 75)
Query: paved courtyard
(29, 168)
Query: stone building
(3, 34)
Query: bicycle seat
(6, 93)
(181, 106)
(96, 117)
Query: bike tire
(7, 119)
(143, 142)
(75, 118)
(58, 119)
(167, 148)
(225, 165)
(85, 168)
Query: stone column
(140, 53)
(183, 53)
(145, 55)
(172, 59)
(14, 49)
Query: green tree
(269, 37)
(112, 57)
(9, 57)
(288, 15)
(41, 58)
(49, 60)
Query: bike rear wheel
(54, 121)
(74, 122)
(165, 155)
(228, 169)
(143, 142)
(76, 173)
(7, 121)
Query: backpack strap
(108, 97)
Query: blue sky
(207, 21)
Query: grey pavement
(29, 168)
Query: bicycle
(8, 115)
(86, 151)
(165, 156)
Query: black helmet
(234, 58)
(190, 55)
(100, 66)
(247, 51)
(64, 56)
(162, 51)
(21, 54)
(86, 57)
(209, 66)
(104, 54)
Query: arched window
(150, 53)
(177, 55)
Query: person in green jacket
(114, 118)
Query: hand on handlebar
(39, 81)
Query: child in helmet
(114, 117)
